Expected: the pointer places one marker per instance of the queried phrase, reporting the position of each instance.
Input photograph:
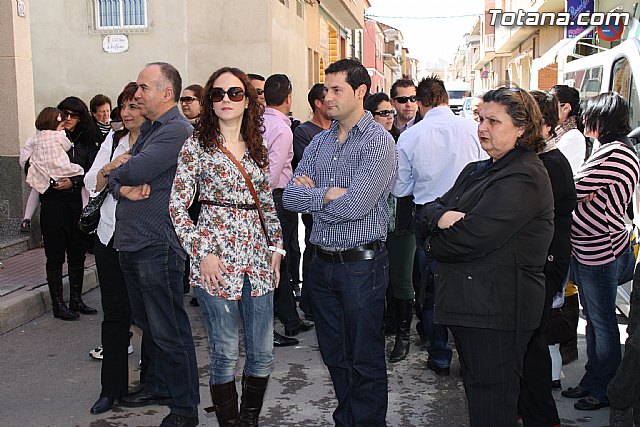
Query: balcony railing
(489, 42)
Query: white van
(457, 92)
(616, 69)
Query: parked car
(466, 107)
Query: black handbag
(90, 216)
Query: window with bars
(120, 14)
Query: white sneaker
(96, 353)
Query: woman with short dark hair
(604, 186)
(536, 404)
(569, 138)
(401, 243)
(489, 235)
(113, 153)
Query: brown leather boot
(225, 404)
(60, 309)
(253, 389)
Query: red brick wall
(548, 77)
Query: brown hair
(431, 92)
(207, 129)
(548, 104)
(524, 112)
(50, 118)
(128, 93)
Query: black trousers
(60, 233)
(285, 303)
(490, 362)
(116, 321)
(536, 404)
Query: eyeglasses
(187, 99)
(259, 91)
(405, 99)
(236, 94)
(72, 115)
(384, 113)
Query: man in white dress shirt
(431, 154)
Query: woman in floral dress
(234, 269)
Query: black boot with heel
(225, 404)
(76, 277)
(404, 314)
(60, 309)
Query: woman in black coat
(60, 210)
(537, 406)
(489, 235)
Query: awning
(562, 49)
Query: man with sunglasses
(257, 81)
(343, 180)
(403, 99)
(430, 157)
(277, 133)
(148, 244)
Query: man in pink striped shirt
(278, 134)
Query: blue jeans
(348, 308)
(597, 286)
(221, 319)
(438, 335)
(154, 283)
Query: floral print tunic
(234, 235)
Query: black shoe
(576, 392)
(437, 369)
(590, 403)
(194, 302)
(555, 385)
(175, 420)
(303, 326)
(103, 404)
(308, 317)
(420, 331)
(282, 341)
(143, 398)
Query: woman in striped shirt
(604, 185)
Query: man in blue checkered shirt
(343, 180)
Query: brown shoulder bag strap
(251, 189)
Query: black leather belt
(359, 253)
(244, 206)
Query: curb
(34, 303)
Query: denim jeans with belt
(221, 318)
(348, 308)
(154, 282)
(598, 286)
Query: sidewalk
(23, 291)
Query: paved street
(50, 380)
